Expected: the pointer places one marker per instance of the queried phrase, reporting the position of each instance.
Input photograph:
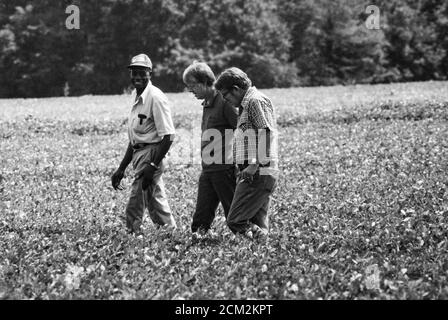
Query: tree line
(280, 43)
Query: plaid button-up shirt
(256, 135)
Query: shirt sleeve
(260, 114)
(162, 116)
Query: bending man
(219, 118)
(255, 153)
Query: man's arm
(127, 158)
(119, 173)
(262, 118)
(164, 125)
(165, 128)
(263, 148)
(148, 171)
(163, 148)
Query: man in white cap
(151, 133)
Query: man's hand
(147, 173)
(248, 173)
(116, 179)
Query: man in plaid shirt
(255, 146)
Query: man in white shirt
(151, 133)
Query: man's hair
(233, 77)
(201, 72)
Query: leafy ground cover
(360, 210)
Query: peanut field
(360, 210)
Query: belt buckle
(267, 164)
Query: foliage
(364, 182)
(246, 34)
(331, 43)
(280, 43)
(416, 37)
(40, 53)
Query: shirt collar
(249, 93)
(144, 94)
(212, 102)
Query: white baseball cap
(141, 60)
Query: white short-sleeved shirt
(150, 117)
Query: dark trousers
(214, 187)
(251, 203)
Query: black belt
(139, 146)
(246, 164)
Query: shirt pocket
(243, 122)
(244, 125)
(141, 123)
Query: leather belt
(245, 165)
(139, 146)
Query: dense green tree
(246, 34)
(127, 28)
(41, 50)
(416, 32)
(331, 43)
(279, 43)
